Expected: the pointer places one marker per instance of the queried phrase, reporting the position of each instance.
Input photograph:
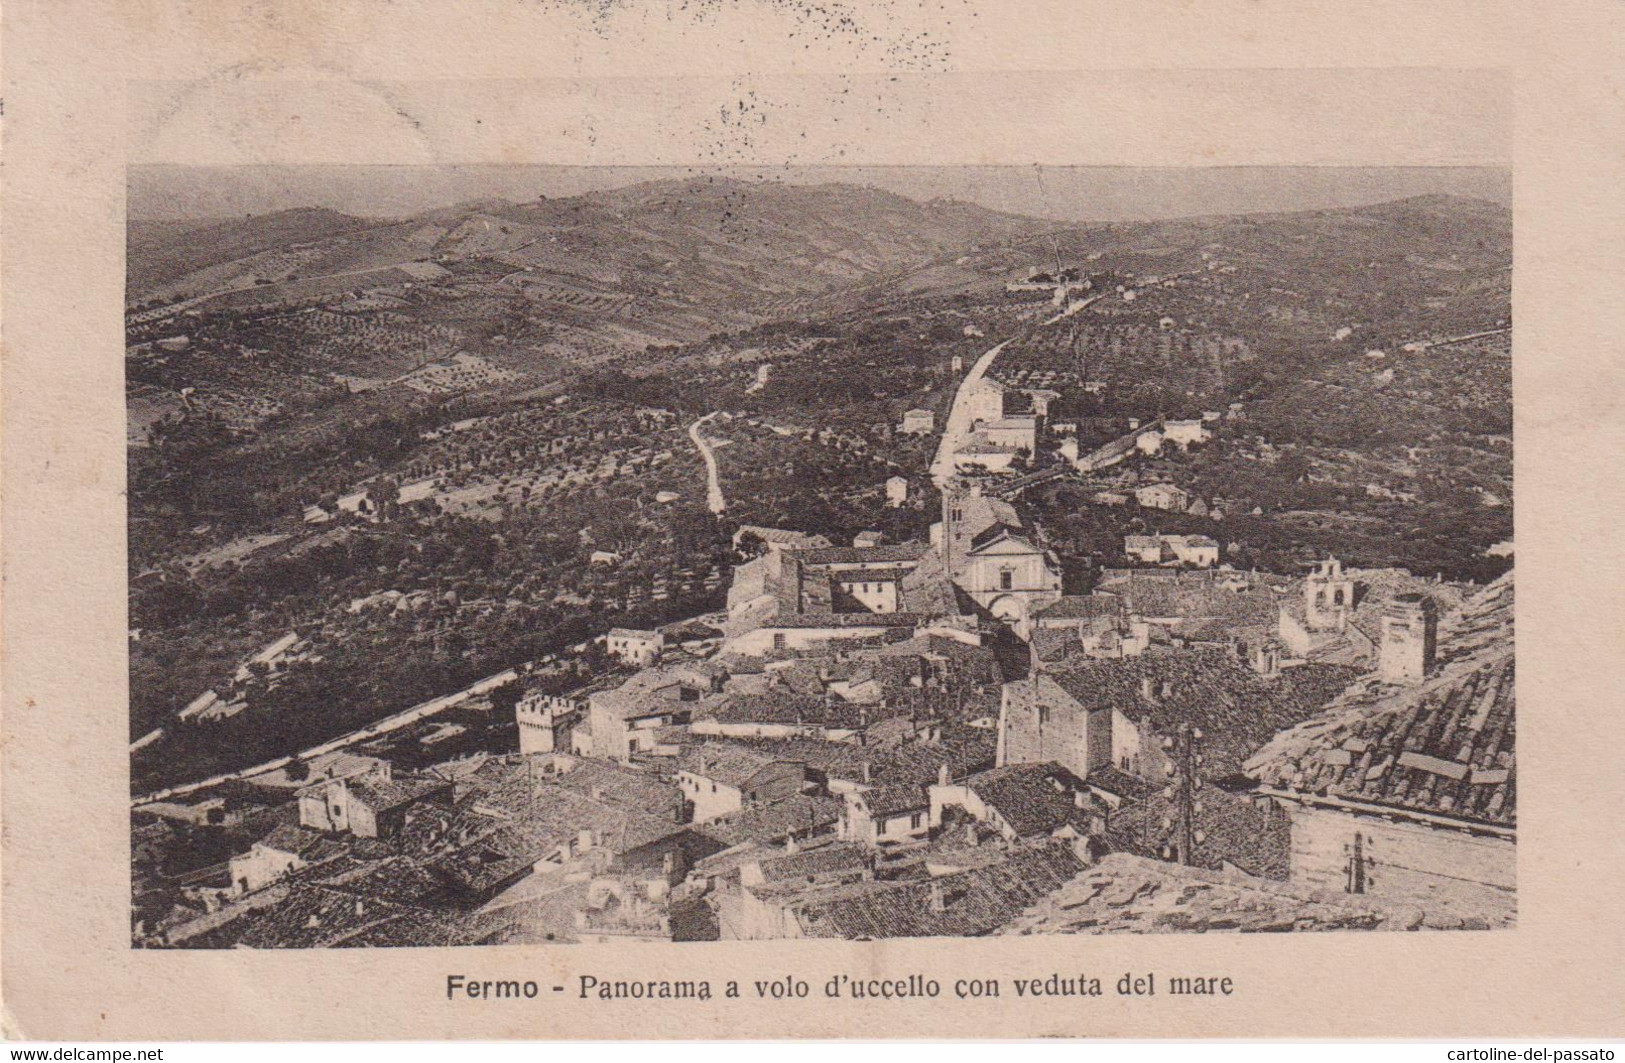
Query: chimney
(938, 903)
(973, 838)
(866, 773)
(1078, 799)
(943, 777)
(1410, 627)
(1147, 689)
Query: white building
(1019, 433)
(1186, 433)
(637, 648)
(1199, 551)
(721, 780)
(273, 857)
(545, 722)
(918, 422)
(1163, 496)
(985, 401)
(896, 491)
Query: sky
(1074, 145)
(1067, 193)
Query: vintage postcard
(513, 531)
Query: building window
(778, 641)
(914, 821)
(1007, 579)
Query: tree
(505, 697)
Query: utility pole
(1182, 766)
(1357, 864)
(1054, 242)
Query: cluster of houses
(1146, 440)
(1005, 424)
(1198, 551)
(931, 738)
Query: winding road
(714, 499)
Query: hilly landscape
(716, 243)
(458, 410)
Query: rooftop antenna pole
(1055, 244)
(1182, 765)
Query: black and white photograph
(530, 555)
(809, 525)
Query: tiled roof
(1193, 596)
(974, 902)
(784, 536)
(785, 706)
(895, 800)
(1052, 645)
(616, 785)
(1234, 830)
(1081, 607)
(1116, 781)
(725, 762)
(928, 590)
(964, 750)
(1001, 533)
(845, 555)
(1444, 747)
(1373, 588)
(800, 815)
(840, 858)
(525, 820)
(980, 511)
(878, 621)
(398, 792)
(308, 917)
(1237, 709)
(288, 838)
(1132, 895)
(1033, 798)
(397, 880)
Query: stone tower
(1410, 632)
(1328, 596)
(960, 506)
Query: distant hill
(711, 242)
(160, 253)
